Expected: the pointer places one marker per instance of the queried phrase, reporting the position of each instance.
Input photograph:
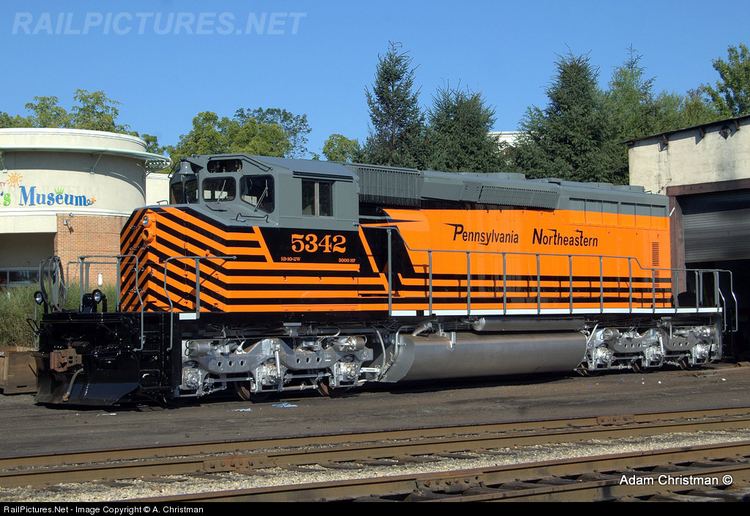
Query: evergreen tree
(731, 95)
(631, 108)
(629, 102)
(458, 133)
(572, 138)
(397, 136)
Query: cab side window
(184, 192)
(219, 189)
(317, 198)
(258, 192)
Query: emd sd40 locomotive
(266, 275)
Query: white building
(705, 171)
(67, 192)
(506, 137)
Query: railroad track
(348, 450)
(700, 473)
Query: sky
(167, 60)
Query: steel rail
(337, 448)
(597, 478)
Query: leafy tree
(458, 132)
(296, 127)
(11, 121)
(398, 128)
(694, 110)
(340, 148)
(211, 134)
(96, 111)
(572, 138)
(152, 142)
(46, 112)
(731, 95)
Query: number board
(313, 245)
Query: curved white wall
(44, 172)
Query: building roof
(725, 121)
(76, 140)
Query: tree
(572, 138)
(340, 148)
(12, 121)
(696, 111)
(631, 108)
(211, 134)
(46, 112)
(93, 110)
(296, 127)
(152, 142)
(96, 111)
(458, 132)
(630, 102)
(731, 95)
(398, 128)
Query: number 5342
(312, 243)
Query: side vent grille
(400, 187)
(654, 254)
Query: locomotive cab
(276, 192)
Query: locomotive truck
(265, 275)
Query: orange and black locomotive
(268, 274)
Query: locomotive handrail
(197, 304)
(118, 262)
(699, 273)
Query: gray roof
(715, 123)
(400, 186)
(310, 166)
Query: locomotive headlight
(146, 221)
(38, 298)
(98, 295)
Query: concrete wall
(52, 182)
(157, 188)
(718, 152)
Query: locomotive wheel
(245, 393)
(324, 388)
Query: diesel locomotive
(265, 275)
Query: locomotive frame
(269, 275)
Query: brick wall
(82, 235)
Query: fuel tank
(466, 355)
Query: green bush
(17, 305)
